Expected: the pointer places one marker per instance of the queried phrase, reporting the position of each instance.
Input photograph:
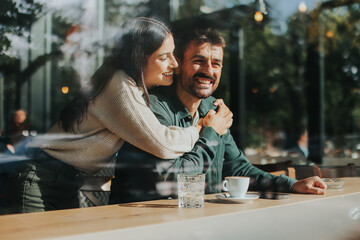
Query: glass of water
(191, 190)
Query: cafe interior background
(288, 66)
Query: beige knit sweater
(118, 114)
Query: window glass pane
(291, 68)
(275, 70)
(340, 38)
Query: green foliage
(190, 8)
(275, 80)
(274, 86)
(342, 64)
(15, 19)
(118, 11)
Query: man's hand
(221, 120)
(312, 185)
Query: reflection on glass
(50, 48)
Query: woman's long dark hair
(142, 37)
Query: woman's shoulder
(121, 89)
(121, 78)
(121, 81)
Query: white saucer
(248, 198)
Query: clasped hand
(220, 120)
(312, 185)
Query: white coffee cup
(236, 186)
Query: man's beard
(197, 91)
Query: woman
(95, 125)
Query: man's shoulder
(160, 94)
(162, 99)
(209, 100)
(207, 104)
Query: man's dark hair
(201, 35)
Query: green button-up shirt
(217, 156)
(140, 176)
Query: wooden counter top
(114, 218)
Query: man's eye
(217, 64)
(198, 61)
(163, 59)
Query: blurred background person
(275, 141)
(300, 148)
(17, 133)
(2, 143)
(329, 149)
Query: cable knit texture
(118, 114)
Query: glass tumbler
(191, 190)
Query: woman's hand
(221, 120)
(218, 102)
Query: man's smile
(204, 81)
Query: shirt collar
(181, 110)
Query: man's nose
(207, 68)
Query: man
(200, 58)
(301, 147)
(17, 134)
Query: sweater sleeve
(122, 110)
